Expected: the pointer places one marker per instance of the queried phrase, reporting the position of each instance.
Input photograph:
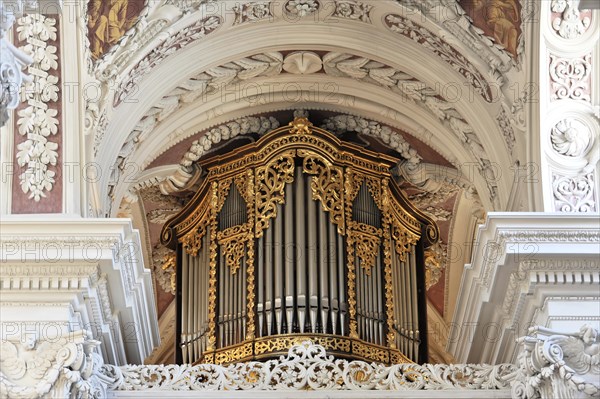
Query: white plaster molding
(547, 249)
(554, 364)
(89, 271)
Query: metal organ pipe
(300, 272)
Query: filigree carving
(403, 239)
(192, 241)
(571, 138)
(38, 122)
(327, 185)
(570, 24)
(270, 188)
(252, 12)
(445, 51)
(367, 240)
(351, 9)
(323, 372)
(233, 245)
(574, 194)
(554, 364)
(570, 77)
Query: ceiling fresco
(107, 22)
(499, 19)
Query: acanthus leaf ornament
(39, 121)
(553, 363)
(571, 138)
(323, 372)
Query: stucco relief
(570, 77)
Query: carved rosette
(571, 138)
(367, 240)
(233, 245)
(322, 372)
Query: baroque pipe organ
(300, 236)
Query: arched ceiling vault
(369, 70)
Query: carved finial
(301, 126)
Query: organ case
(300, 236)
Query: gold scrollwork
(270, 188)
(371, 352)
(367, 240)
(403, 239)
(327, 186)
(233, 243)
(192, 241)
(231, 355)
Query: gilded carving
(270, 188)
(233, 242)
(336, 173)
(327, 186)
(403, 239)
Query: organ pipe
(306, 239)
